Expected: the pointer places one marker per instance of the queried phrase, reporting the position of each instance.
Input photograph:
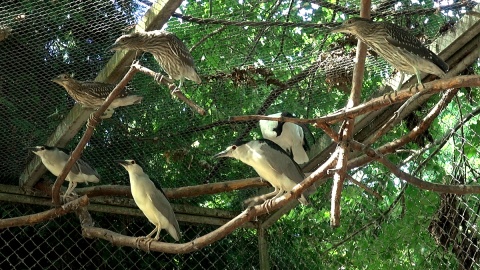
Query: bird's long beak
(337, 29)
(112, 48)
(124, 163)
(56, 80)
(224, 153)
(33, 148)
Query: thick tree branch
(376, 103)
(171, 193)
(44, 216)
(392, 121)
(200, 242)
(329, 131)
(346, 132)
(422, 126)
(177, 193)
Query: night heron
(152, 201)
(271, 163)
(55, 158)
(287, 135)
(169, 51)
(396, 45)
(93, 94)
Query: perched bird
(396, 45)
(151, 201)
(287, 135)
(93, 94)
(169, 51)
(55, 158)
(271, 163)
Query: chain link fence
(254, 57)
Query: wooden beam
(113, 71)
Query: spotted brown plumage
(396, 45)
(93, 94)
(169, 51)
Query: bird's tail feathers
(126, 101)
(174, 231)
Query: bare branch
(200, 242)
(392, 121)
(213, 188)
(249, 23)
(376, 103)
(207, 36)
(329, 131)
(44, 216)
(171, 193)
(346, 132)
(422, 126)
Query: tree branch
(422, 126)
(376, 103)
(346, 132)
(250, 23)
(453, 189)
(200, 242)
(170, 193)
(44, 216)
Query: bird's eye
(133, 162)
(234, 147)
(42, 148)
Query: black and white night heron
(287, 135)
(169, 51)
(55, 158)
(397, 46)
(93, 94)
(271, 163)
(151, 200)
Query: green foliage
(240, 67)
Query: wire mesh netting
(254, 57)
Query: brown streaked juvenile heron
(271, 163)
(397, 46)
(169, 51)
(93, 94)
(152, 201)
